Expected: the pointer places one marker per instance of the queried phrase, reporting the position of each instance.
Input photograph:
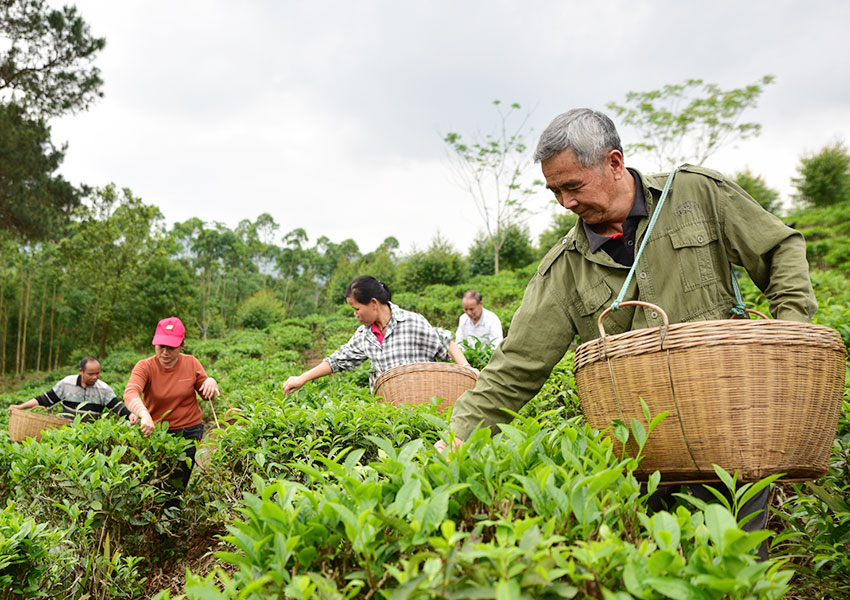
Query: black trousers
(194, 433)
(663, 499)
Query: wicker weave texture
(757, 397)
(24, 424)
(419, 382)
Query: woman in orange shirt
(168, 382)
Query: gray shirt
(88, 401)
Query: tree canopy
(757, 187)
(824, 177)
(46, 61)
(34, 199)
(491, 168)
(688, 121)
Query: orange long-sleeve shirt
(170, 391)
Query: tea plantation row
(328, 494)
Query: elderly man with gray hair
(707, 223)
(477, 323)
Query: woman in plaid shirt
(389, 337)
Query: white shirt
(488, 329)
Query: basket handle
(752, 312)
(654, 307)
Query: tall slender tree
(491, 167)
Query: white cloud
(328, 115)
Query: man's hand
(32, 403)
(133, 419)
(209, 389)
(293, 383)
(441, 445)
(147, 424)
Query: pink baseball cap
(169, 332)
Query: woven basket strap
(740, 308)
(679, 414)
(620, 406)
(616, 304)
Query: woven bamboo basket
(419, 382)
(25, 423)
(758, 397)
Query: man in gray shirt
(82, 394)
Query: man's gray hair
(473, 295)
(588, 133)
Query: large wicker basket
(755, 396)
(419, 382)
(25, 423)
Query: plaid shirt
(409, 338)
(88, 401)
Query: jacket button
(643, 274)
(653, 314)
(700, 239)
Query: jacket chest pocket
(587, 303)
(696, 249)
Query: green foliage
(104, 487)
(290, 337)
(516, 252)
(491, 168)
(478, 353)
(559, 392)
(816, 519)
(46, 58)
(689, 121)
(827, 232)
(441, 304)
(756, 187)
(35, 201)
(27, 569)
(824, 178)
(345, 495)
(535, 512)
(106, 247)
(833, 292)
(261, 310)
(166, 285)
(562, 222)
(440, 264)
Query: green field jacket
(706, 222)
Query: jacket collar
(576, 238)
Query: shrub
(538, 511)
(288, 337)
(104, 485)
(30, 557)
(261, 310)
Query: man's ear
(614, 161)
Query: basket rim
(719, 332)
(28, 415)
(422, 367)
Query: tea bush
(538, 511)
(328, 493)
(105, 487)
(30, 557)
(815, 517)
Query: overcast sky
(328, 115)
